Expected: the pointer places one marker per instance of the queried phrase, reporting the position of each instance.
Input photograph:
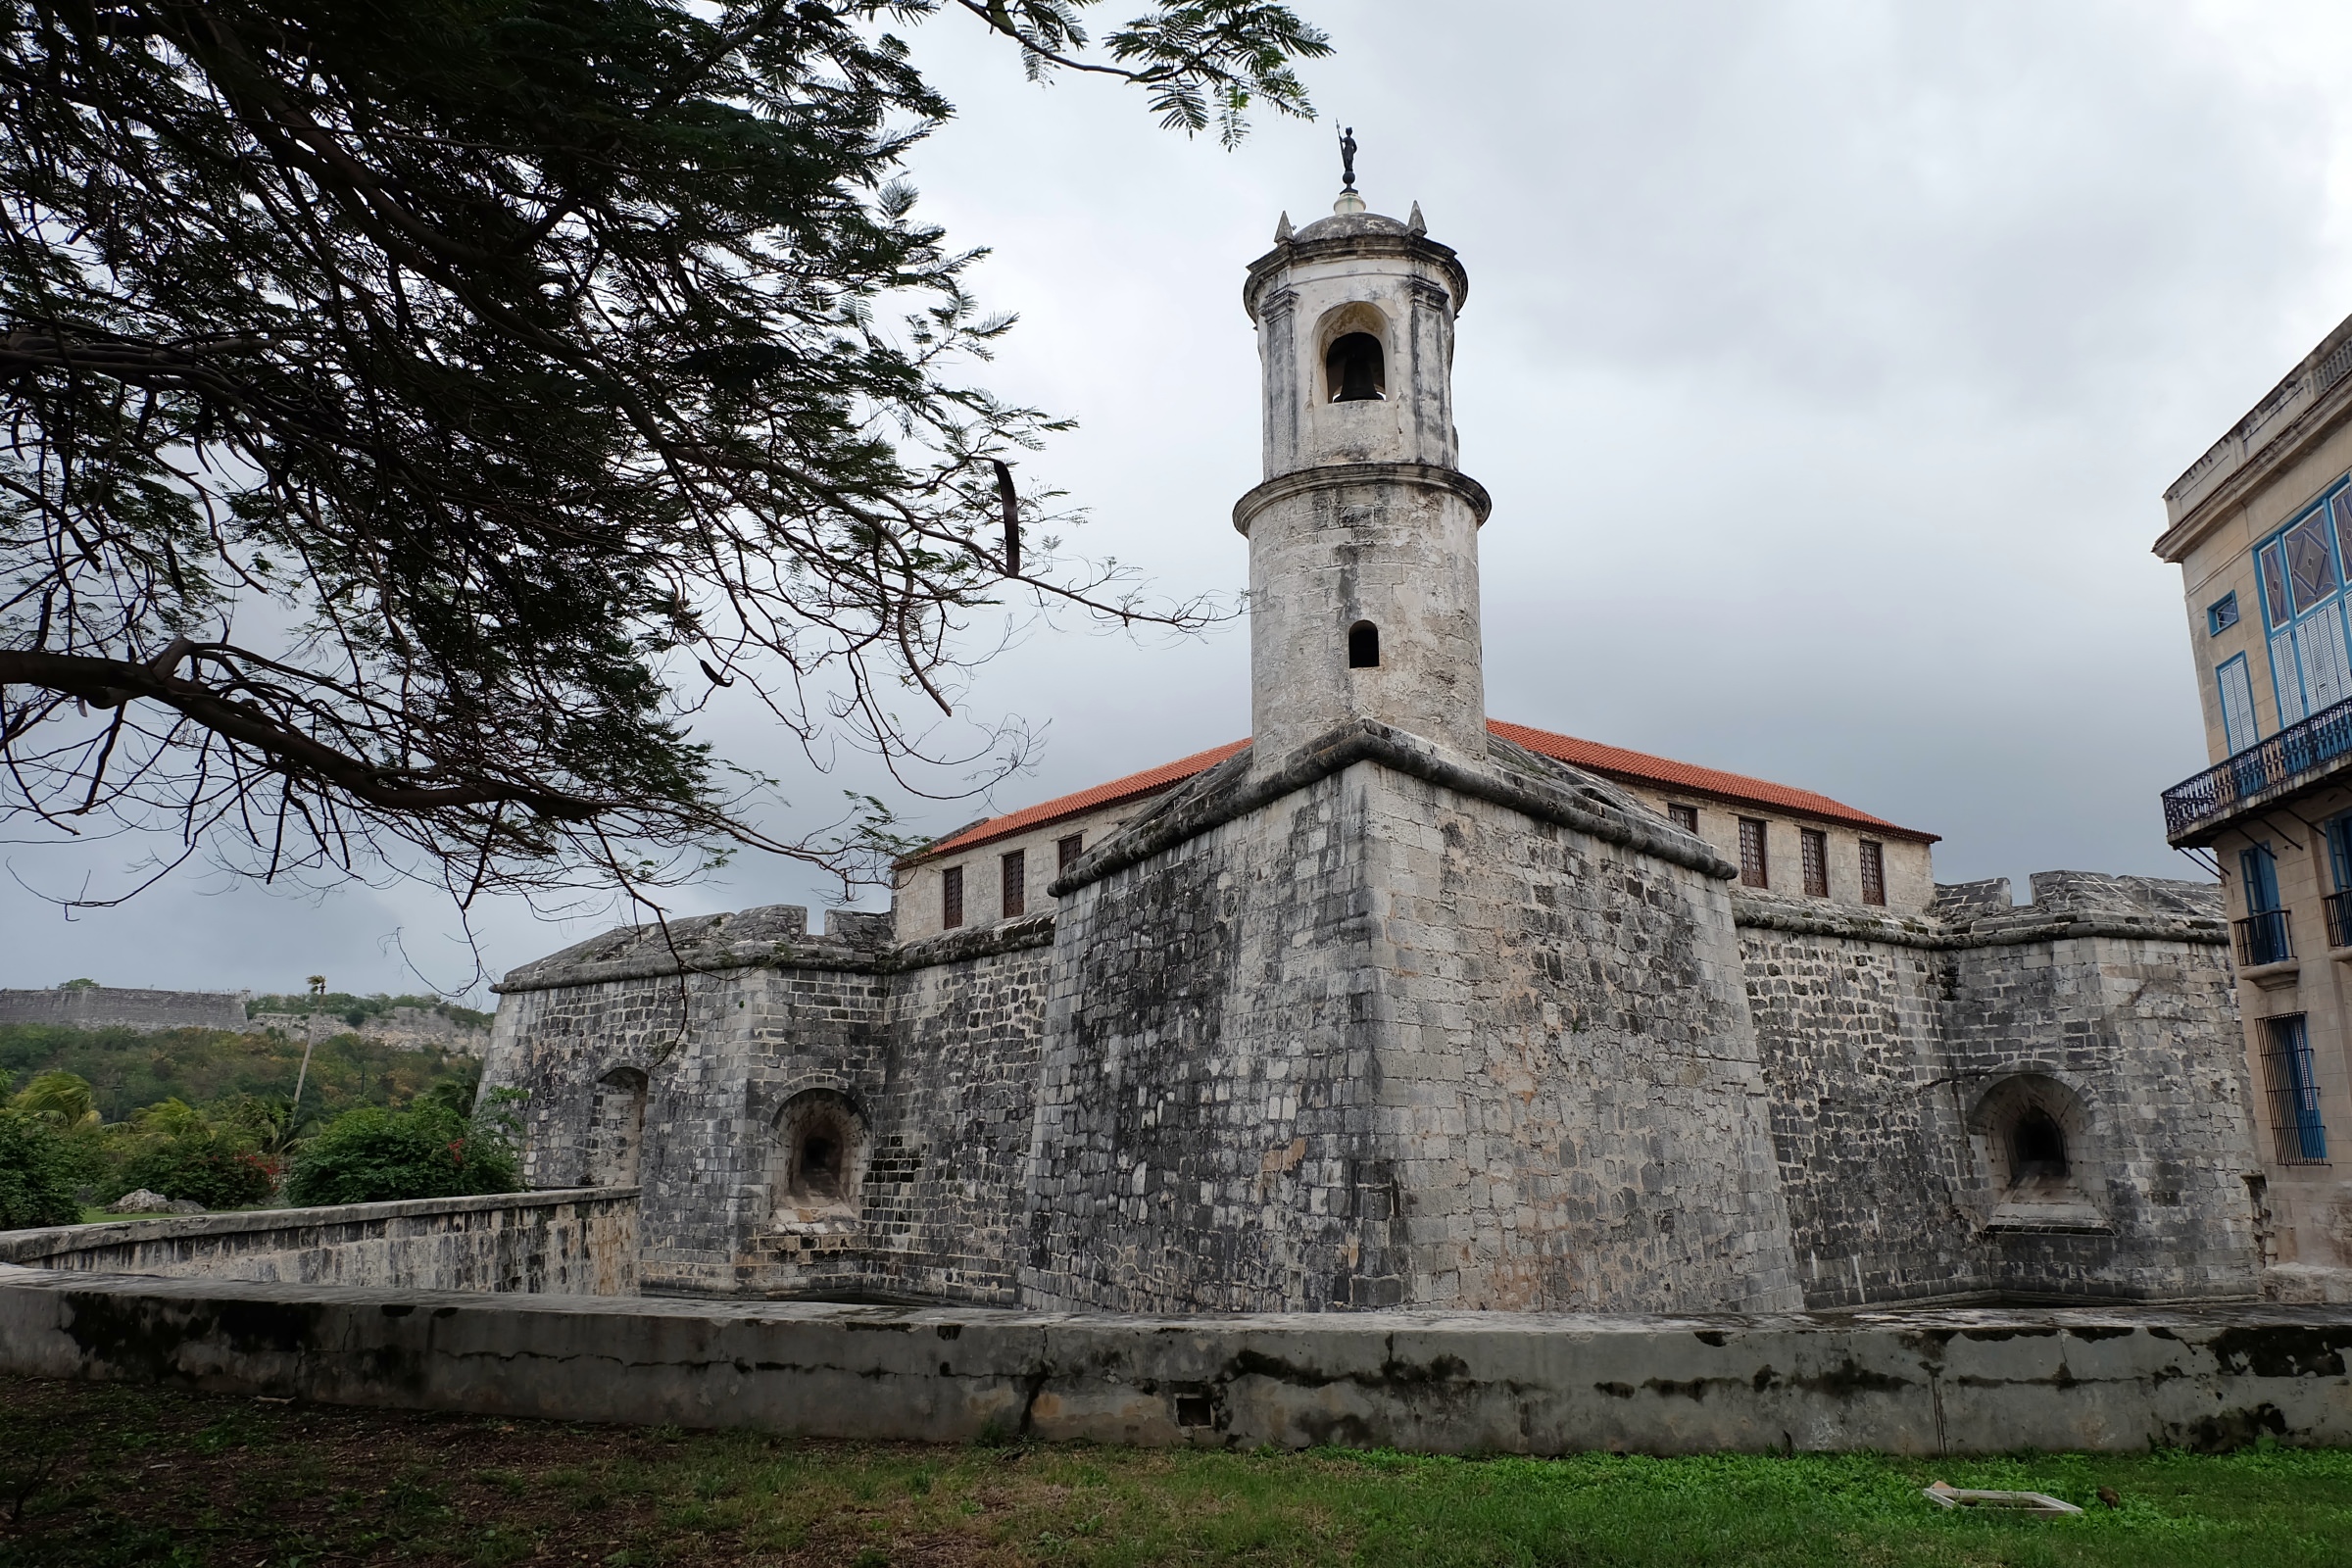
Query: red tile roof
(1613, 762)
(1135, 786)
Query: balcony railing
(2323, 738)
(2264, 937)
(2339, 920)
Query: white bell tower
(1363, 539)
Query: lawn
(106, 1475)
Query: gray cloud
(1827, 363)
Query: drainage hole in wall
(1194, 1410)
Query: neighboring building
(1392, 1005)
(2261, 527)
(1782, 839)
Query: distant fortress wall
(122, 1007)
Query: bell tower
(1363, 539)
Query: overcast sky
(1827, 364)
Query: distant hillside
(127, 1069)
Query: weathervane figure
(1347, 159)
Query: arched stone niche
(2038, 1149)
(816, 1170)
(616, 1128)
(1340, 332)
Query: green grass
(136, 1476)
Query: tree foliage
(372, 1156)
(39, 1169)
(409, 410)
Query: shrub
(203, 1166)
(38, 1170)
(370, 1155)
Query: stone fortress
(1394, 1006)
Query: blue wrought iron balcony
(2296, 758)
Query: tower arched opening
(1363, 646)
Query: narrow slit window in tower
(1355, 370)
(1363, 646)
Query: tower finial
(1350, 201)
(1281, 231)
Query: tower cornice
(1296, 252)
(1335, 476)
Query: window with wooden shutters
(1752, 869)
(1685, 818)
(950, 897)
(1066, 850)
(1816, 850)
(1874, 872)
(1015, 877)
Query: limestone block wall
(563, 1244)
(1385, 1040)
(922, 1058)
(1864, 1123)
(1902, 1053)
(125, 1007)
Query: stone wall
(406, 1027)
(1901, 1054)
(1913, 1383)
(1402, 1029)
(125, 1007)
(567, 1244)
(926, 1053)
(1383, 1035)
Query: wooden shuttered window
(1816, 846)
(950, 897)
(1685, 818)
(1015, 880)
(1753, 872)
(1066, 850)
(1874, 872)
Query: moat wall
(1927, 1383)
(567, 1242)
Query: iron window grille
(2339, 920)
(1754, 871)
(950, 897)
(1874, 872)
(1685, 818)
(1815, 845)
(2264, 937)
(2301, 1138)
(1015, 875)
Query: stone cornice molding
(1348, 246)
(953, 946)
(1235, 788)
(2027, 926)
(1331, 476)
